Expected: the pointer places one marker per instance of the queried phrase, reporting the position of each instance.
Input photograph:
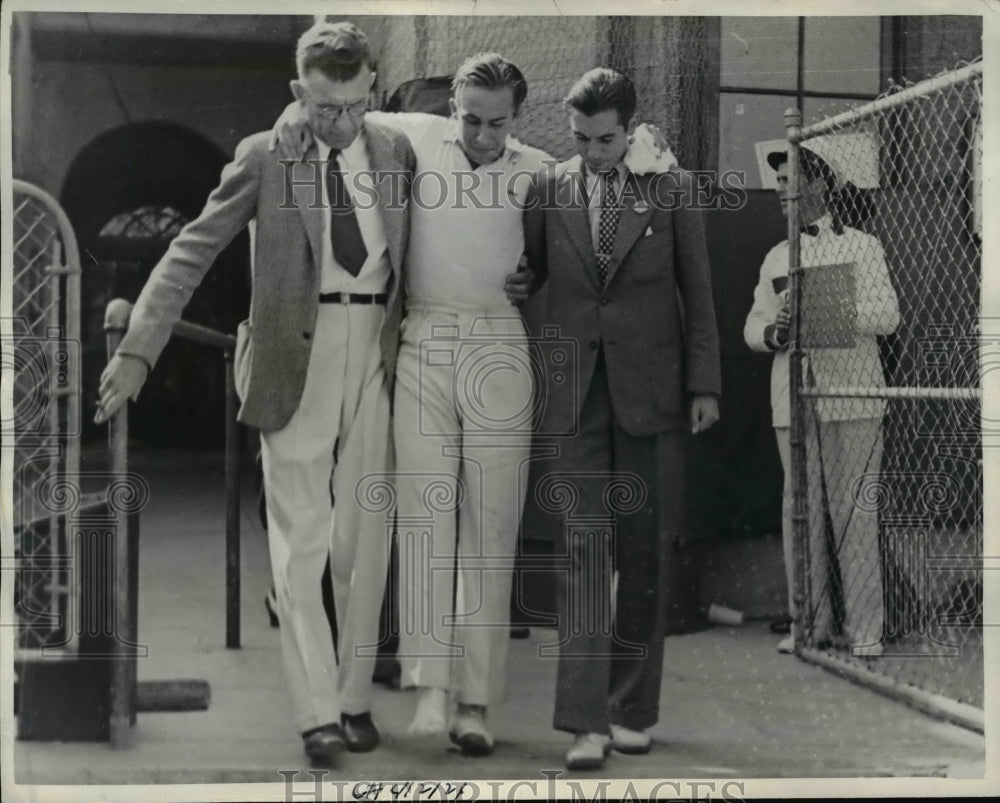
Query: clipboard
(829, 307)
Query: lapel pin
(640, 208)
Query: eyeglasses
(331, 112)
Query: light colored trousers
(851, 454)
(462, 419)
(344, 409)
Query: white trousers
(338, 436)
(850, 451)
(462, 421)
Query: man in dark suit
(314, 365)
(628, 281)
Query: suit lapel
(307, 192)
(633, 221)
(570, 201)
(382, 159)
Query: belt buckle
(345, 298)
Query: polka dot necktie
(345, 234)
(610, 213)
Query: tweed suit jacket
(654, 317)
(285, 201)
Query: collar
(351, 153)
(512, 148)
(823, 224)
(619, 168)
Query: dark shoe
(271, 603)
(468, 730)
(782, 627)
(360, 732)
(324, 745)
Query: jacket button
(605, 301)
(307, 335)
(593, 344)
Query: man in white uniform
(313, 364)
(844, 434)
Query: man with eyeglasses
(314, 366)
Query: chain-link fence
(887, 446)
(46, 411)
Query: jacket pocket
(241, 360)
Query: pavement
(731, 707)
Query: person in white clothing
(844, 434)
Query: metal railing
(123, 687)
(46, 375)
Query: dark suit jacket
(654, 317)
(274, 344)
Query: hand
(781, 324)
(518, 286)
(121, 380)
(704, 413)
(291, 134)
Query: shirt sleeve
(877, 303)
(415, 125)
(173, 281)
(765, 301)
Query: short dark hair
(337, 49)
(491, 71)
(601, 89)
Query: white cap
(851, 157)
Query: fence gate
(886, 399)
(45, 350)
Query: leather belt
(353, 298)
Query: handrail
(119, 310)
(116, 321)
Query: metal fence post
(122, 669)
(232, 508)
(800, 501)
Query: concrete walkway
(732, 707)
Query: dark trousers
(627, 517)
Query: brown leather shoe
(324, 745)
(360, 732)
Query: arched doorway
(128, 193)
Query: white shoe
(429, 718)
(588, 751)
(629, 741)
(867, 650)
(787, 645)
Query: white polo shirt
(374, 274)
(466, 231)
